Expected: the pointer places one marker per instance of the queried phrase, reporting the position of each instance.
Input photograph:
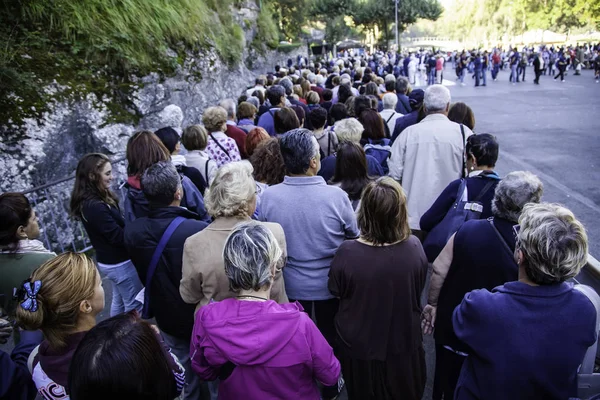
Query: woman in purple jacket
(257, 348)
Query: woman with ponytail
(62, 298)
(93, 202)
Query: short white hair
(513, 192)
(312, 78)
(349, 130)
(231, 191)
(554, 243)
(390, 78)
(437, 98)
(320, 79)
(389, 101)
(230, 106)
(344, 81)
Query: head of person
(144, 148)
(287, 85)
(371, 89)
(383, 215)
(390, 85)
(349, 130)
(482, 151)
(389, 101)
(328, 94)
(297, 89)
(312, 98)
(64, 295)
(361, 103)
(260, 81)
(260, 96)
(276, 95)
(267, 162)
(344, 93)
(552, 245)
(415, 99)
(300, 151)
(300, 113)
(232, 193)
(373, 123)
(252, 100)
(513, 192)
(161, 185)
(93, 178)
(336, 80)
(215, 119)
(170, 138)
(437, 100)
(251, 257)
(123, 355)
(195, 137)
(318, 117)
(254, 138)
(305, 85)
(246, 110)
(17, 221)
(462, 114)
(351, 169)
(285, 119)
(350, 104)
(337, 112)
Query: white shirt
(257, 87)
(390, 116)
(200, 160)
(426, 157)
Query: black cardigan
(104, 225)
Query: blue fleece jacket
(316, 219)
(15, 379)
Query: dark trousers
(561, 73)
(477, 77)
(538, 73)
(324, 311)
(447, 370)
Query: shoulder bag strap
(155, 257)
(464, 161)
(206, 171)
(391, 116)
(484, 190)
(219, 144)
(587, 365)
(328, 144)
(506, 246)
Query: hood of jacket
(250, 332)
(55, 363)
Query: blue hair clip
(30, 303)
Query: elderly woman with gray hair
(259, 349)
(478, 256)
(527, 339)
(230, 200)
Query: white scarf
(178, 159)
(28, 246)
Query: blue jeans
(431, 77)
(462, 75)
(125, 286)
(513, 73)
(484, 76)
(495, 71)
(181, 348)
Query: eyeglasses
(516, 229)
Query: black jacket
(104, 225)
(172, 314)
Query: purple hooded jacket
(277, 350)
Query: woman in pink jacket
(257, 348)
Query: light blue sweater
(316, 219)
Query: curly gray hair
(232, 191)
(251, 256)
(553, 242)
(513, 192)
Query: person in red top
(232, 130)
(496, 64)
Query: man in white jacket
(427, 156)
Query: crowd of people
(281, 249)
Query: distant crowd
(297, 245)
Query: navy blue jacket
(446, 199)
(403, 105)
(173, 315)
(328, 167)
(404, 122)
(525, 342)
(15, 379)
(480, 261)
(477, 63)
(104, 225)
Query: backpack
(380, 150)
(461, 211)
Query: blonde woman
(379, 278)
(62, 299)
(221, 147)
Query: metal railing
(51, 201)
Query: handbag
(588, 382)
(146, 313)
(461, 211)
(220, 146)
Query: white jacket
(199, 159)
(425, 158)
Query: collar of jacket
(172, 212)
(521, 288)
(435, 117)
(226, 223)
(303, 180)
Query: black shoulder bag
(221, 147)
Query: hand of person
(428, 319)
(5, 330)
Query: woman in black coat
(482, 154)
